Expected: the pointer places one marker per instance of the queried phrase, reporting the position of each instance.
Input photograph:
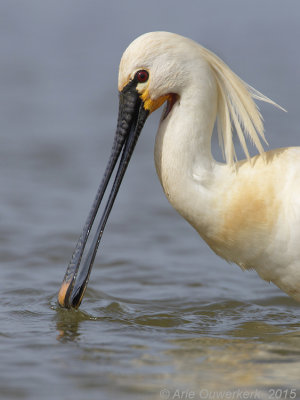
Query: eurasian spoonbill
(247, 211)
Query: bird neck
(183, 158)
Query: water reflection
(214, 363)
(68, 323)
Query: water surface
(163, 315)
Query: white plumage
(247, 211)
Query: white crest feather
(237, 109)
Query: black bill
(131, 119)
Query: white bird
(247, 211)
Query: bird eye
(142, 76)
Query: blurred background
(162, 312)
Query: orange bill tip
(62, 293)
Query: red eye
(142, 76)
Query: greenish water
(163, 317)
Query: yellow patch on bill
(152, 105)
